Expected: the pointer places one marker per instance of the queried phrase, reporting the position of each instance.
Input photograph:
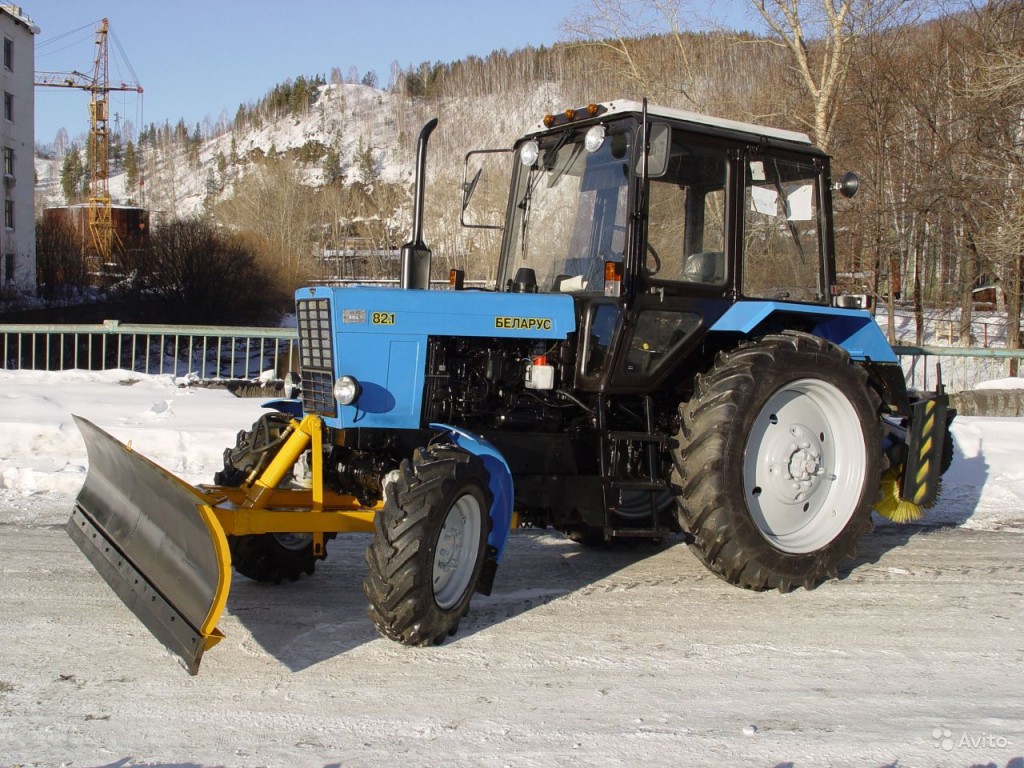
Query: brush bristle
(891, 505)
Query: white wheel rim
(456, 552)
(294, 542)
(804, 466)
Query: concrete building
(17, 140)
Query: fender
(500, 485)
(852, 329)
(292, 407)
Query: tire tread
(709, 501)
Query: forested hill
(930, 114)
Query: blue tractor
(664, 352)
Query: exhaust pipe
(415, 254)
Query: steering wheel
(655, 258)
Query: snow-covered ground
(580, 657)
(183, 428)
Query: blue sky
(196, 58)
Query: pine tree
(366, 163)
(193, 144)
(131, 167)
(72, 174)
(332, 167)
(213, 189)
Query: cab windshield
(569, 210)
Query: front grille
(318, 393)
(316, 355)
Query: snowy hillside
(348, 118)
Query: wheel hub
(803, 458)
(449, 543)
(296, 542)
(455, 551)
(801, 470)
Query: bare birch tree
(823, 39)
(282, 215)
(616, 26)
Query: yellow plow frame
(161, 544)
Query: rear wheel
(429, 546)
(268, 557)
(778, 462)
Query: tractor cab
(656, 222)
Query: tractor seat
(705, 267)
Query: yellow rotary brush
(891, 505)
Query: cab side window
(781, 230)
(686, 216)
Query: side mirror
(658, 150)
(485, 188)
(848, 184)
(469, 187)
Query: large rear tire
(778, 462)
(429, 546)
(266, 557)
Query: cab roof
(621, 107)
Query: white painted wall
(18, 134)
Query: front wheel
(273, 557)
(778, 462)
(429, 546)
(266, 557)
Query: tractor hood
(378, 336)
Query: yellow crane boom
(101, 227)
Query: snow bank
(182, 428)
(185, 429)
(1008, 383)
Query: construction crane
(101, 227)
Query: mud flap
(156, 542)
(926, 440)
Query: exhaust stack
(415, 254)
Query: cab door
(686, 271)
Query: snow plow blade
(156, 542)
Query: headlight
(346, 390)
(594, 138)
(528, 153)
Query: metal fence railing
(963, 368)
(211, 353)
(202, 352)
